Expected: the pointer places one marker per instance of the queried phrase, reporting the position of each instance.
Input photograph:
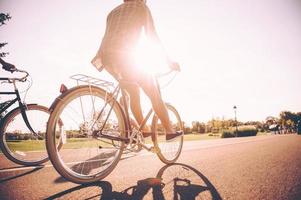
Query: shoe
(170, 137)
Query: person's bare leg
(147, 83)
(135, 104)
(122, 103)
(149, 87)
(134, 93)
(121, 70)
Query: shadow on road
(21, 174)
(175, 181)
(93, 163)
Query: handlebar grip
(175, 66)
(9, 67)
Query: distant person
(299, 127)
(124, 27)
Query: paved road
(263, 167)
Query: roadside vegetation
(287, 122)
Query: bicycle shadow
(86, 166)
(37, 168)
(175, 181)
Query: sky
(231, 52)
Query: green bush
(243, 131)
(227, 134)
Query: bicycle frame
(22, 106)
(113, 96)
(125, 111)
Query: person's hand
(174, 66)
(96, 62)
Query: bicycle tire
(168, 152)
(18, 143)
(69, 161)
(169, 174)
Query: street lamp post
(236, 129)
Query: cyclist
(124, 26)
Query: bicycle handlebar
(174, 66)
(12, 68)
(158, 75)
(7, 66)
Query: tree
(3, 19)
(198, 127)
(259, 125)
(271, 120)
(289, 120)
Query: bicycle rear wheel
(18, 143)
(84, 155)
(168, 152)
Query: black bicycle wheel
(168, 152)
(18, 143)
(85, 156)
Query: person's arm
(96, 61)
(151, 33)
(149, 27)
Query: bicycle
(22, 129)
(174, 181)
(97, 129)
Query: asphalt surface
(263, 167)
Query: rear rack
(92, 81)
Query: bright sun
(150, 57)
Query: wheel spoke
(85, 157)
(20, 144)
(168, 152)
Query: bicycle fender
(61, 96)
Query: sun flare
(149, 56)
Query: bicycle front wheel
(84, 155)
(18, 142)
(168, 152)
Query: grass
(39, 145)
(198, 136)
(27, 145)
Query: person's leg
(135, 105)
(150, 88)
(147, 83)
(122, 103)
(130, 73)
(129, 84)
(121, 68)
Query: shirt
(123, 28)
